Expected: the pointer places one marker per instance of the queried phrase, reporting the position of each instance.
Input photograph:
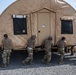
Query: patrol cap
(33, 36)
(5, 35)
(63, 38)
(50, 37)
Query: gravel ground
(37, 68)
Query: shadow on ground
(18, 56)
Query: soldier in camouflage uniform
(7, 46)
(30, 48)
(61, 47)
(47, 44)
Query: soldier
(47, 47)
(30, 48)
(7, 46)
(72, 50)
(61, 47)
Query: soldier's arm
(2, 45)
(52, 44)
(57, 43)
(43, 44)
(65, 43)
(26, 45)
(35, 44)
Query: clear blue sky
(5, 3)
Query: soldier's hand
(36, 50)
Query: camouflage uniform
(61, 48)
(30, 47)
(47, 44)
(7, 45)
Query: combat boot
(60, 62)
(23, 62)
(5, 65)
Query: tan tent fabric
(58, 9)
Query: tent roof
(34, 5)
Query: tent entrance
(43, 26)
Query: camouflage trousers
(61, 52)
(29, 59)
(47, 56)
(6, 56)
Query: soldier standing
(47, 47)
(7, 46)
(61, 47)
(30, 48)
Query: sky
(5, 3)
(72, 3)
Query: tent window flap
(66, 27)
(19, 25)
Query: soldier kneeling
(30, 48)
(47, 44)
